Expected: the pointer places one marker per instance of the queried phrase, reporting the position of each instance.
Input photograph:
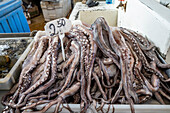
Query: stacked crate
(54, 10)
(12, 19)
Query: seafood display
(10, 51)
(104, 65)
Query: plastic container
(12, 19)
(108, 1)
(10, 79)
(119, 108)
(54, 10)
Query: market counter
(89, 15)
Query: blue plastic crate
(12, 19)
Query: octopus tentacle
(107, 85)
(35, 104)
(92, 58)
(159, 98)
(84, 103)
(37, 97)
(104, 65)
(73, 78)
(89, 57)
(76, 48)
(105, 72)
(72, 90)
(138, 51)
(53, 72)
(43, 78)
(106, 28)
(37, 75)
(144, 44)
(115, 97)
(100, 87)
(153, 57)
(69, 61)
(25, 79)
(97, 36)
(57, 88)
(165, 87)
(38, 38)
(12, 91)
(164, 94)
(150, 87)
(125, 53)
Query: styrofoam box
(149, 18)
(54, 10)
(89, 17)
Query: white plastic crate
(119, 108)
(54, 10)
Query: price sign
(59, 25)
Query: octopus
(104, 65)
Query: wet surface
(10, 51)
(37, 23)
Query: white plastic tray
(139, 108)
(7, 82)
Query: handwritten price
(54, 27)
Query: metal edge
(7, 35)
